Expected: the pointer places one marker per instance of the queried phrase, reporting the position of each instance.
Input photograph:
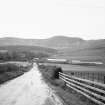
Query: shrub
(51, 71)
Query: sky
(47, 18)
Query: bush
(51, 72)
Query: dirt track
(28, 89)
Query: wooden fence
(89, 75)
(92, 90)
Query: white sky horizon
(49, 36)
(41, 19)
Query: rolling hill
(35, 49)
(57, 42)
(91, 50)
(60, 46)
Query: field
(93, 73)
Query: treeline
(20, 56)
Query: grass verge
(10, 71)
(69, 96)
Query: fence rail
(89, 75)
(93, 90)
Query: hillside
(23, 53)
(18, 48)
(60, 42)
(59, 46)
(92, 50)
(86, 46)
(54, 42)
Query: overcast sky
(46, 18)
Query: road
(28, 89)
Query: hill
(18, 48)
(23, 53)
(60, 46)
(54, 42)
(61, 42)
(91, 50)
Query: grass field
(93, 73)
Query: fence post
(104, 79)
(93, 76)
(88, 75)
(72, 73)
(98, 77)
(80, 74)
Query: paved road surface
(27, 89)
